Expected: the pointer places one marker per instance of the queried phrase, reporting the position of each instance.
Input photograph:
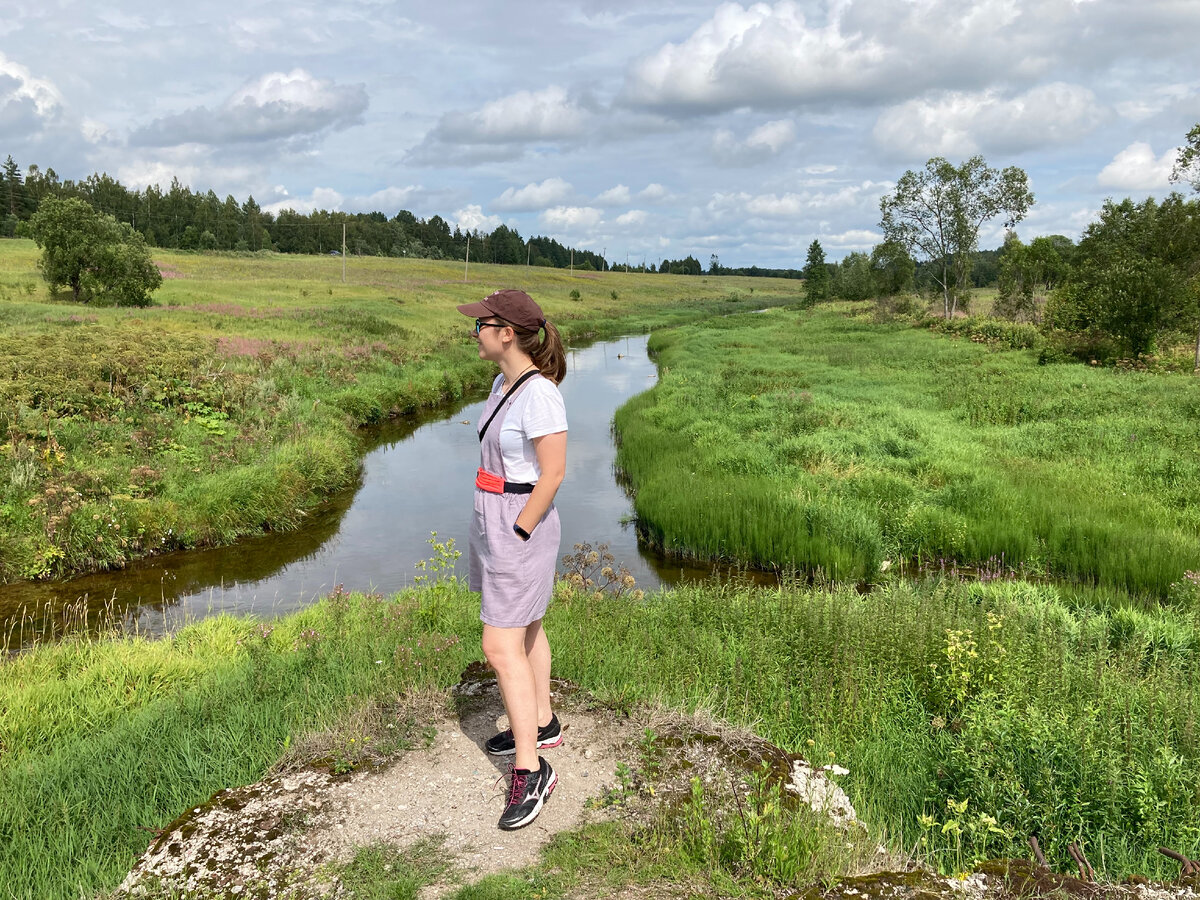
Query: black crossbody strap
(520, 381)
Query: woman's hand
(551, 450)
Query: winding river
(417, 478)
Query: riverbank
(823, 440)
(969, 716)
(230, 406)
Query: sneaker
(526, 795)
(548, 737)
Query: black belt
(517, 487)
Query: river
(417, 477)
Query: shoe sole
(537, 809)
(541, 745)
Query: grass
(826, 441)
(952, 704)
(230, 406)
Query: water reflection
(417, 478)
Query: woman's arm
(551, 450)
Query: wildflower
(628, 581)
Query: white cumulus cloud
(567, 218)
(543, 115)
(761, 144)
(276, 106)
(632, 218)
(551, 192)
(1136, 168)
(614, 196)
(471, 218)
(320, 198)
(957, 123)
(18, 87)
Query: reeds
(825, 443)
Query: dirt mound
(275, 838)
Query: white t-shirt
(537, 410)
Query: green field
(969, 716)
(1052, 692)
(824, 440)
(230, 406)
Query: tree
(936, 214)
(853, 278)
(1019, 273)
(1187, 163)
(893, 267)
(1134, 275)
(816, 275)
(92, 253)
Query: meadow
(969, 716)
(824, 440)
(1051, 693)
(231, 405)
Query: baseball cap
(508, 304)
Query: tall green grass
(230, 405)
(1071, 724)
(825, 441)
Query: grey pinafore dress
(515, 577)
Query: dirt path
(278, 833)
(277, 838)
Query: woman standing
(515, 532)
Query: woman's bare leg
(537, 648)
(505, 652)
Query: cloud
(654, 192)
(957, 124)
(760, 145)
(544, 115)
(551, 192)
(848, 198)
(568, 218)
(277, 106)
(768, 57)
(471, 218)
(502, 129)
(386, 200)
(632, 218)
(1136, 168)
(854, 239)
(614, 196)
(18, 87)
(320, 198)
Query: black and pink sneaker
(549, 736)
(526, 795)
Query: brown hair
(547, 353)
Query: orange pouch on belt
(486, 481)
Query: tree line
(179, 218)
(1130, 285)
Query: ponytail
(550, 357)
(546, 352)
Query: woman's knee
(501, 651)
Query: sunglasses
(480, 325)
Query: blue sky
(736, 129)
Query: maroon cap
(511, 305)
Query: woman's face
(489, 334)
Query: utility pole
(343, 253)
(572, 260)
(467, 265)
(528, 249)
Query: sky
(636, 130)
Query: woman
(515, 533)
